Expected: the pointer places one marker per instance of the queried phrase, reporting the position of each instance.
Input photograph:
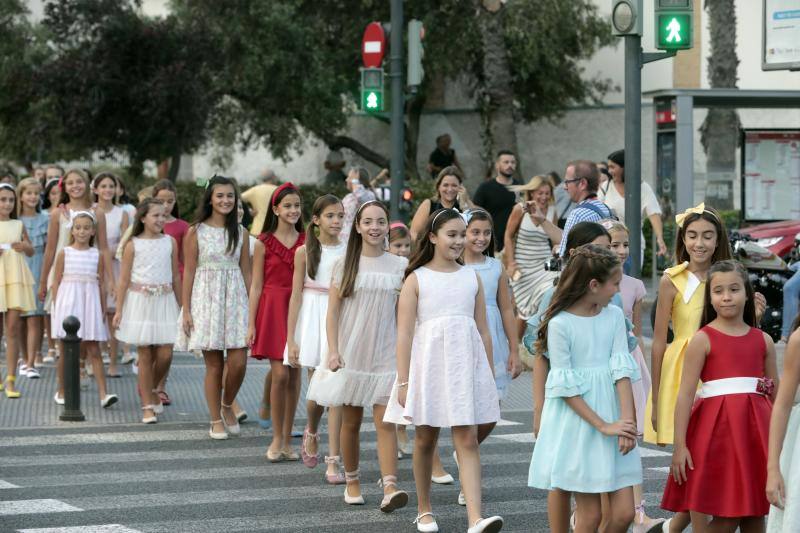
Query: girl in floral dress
(214, 316)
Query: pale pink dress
(632, 290)
(450, 382)
(79, 295)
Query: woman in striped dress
(531, 234)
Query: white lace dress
(309, 333)
(450, 382)
(150, 311)
(367, 336)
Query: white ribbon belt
(720, 387)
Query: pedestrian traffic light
(416, 52)
(674, 24)
(372, 90)
(626, 17)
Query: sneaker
(32, 373)
(59, 400)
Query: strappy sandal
(352, 500)
(217, 435)
(394, 500)
(234, 428)
(9, 383)
(149, 419)
(338, 477)
(309, 460)
(430, 527)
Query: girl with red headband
(273, 268)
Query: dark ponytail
(313, 247)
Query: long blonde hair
(535, 183)
(24, 184)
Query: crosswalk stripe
(652, 452)
(664, 469)
(7, 485)
(504, 422)
(16, 507)
(105, 528)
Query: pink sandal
(309, 460)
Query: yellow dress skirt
(16, 280)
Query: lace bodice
(152, 261)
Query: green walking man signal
(674, 24)
(372, 90)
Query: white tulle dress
(150, 309)
(79, 295)
(367, 336)
(450, 382)
(788, 519)
(309, 333)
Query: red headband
(395, 225)
(288, 185)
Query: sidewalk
(36, 407)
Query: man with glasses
(581, 180)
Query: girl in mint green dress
(587, 437)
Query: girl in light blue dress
(587, 436)
(478, 255)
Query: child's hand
(681, 457)
(761, 305)
(626, 445)
(293, 351)
(514, 366)
(42, 292)
(537, 417)
(335, 361)
(18, 246)
(116, 320)
(620, 428)
(188, 323)
(776, 490)
(402, 393)
(251, 335)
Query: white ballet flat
(446, 479)
(430, 527)
(353, 500)
(493, 524)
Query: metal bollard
(72, 375)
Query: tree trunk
(719, 133)
(343, 141)
(174, 166)
(495, 89)
(413, 117)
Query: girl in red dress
(273, 269)
(719, 463)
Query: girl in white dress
(783, 461)
(444, 363)
(105, 190)
(147, 299)
(78, 290)
(307, 344)
(362, 332)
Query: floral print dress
(219, 297)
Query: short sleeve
(640, 292)
(562, 380)
(622, 363)
(480, 196)
(650, 205)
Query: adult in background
(258, 197)
(563, 203)
(531, 233)
(580, 181)
(450, 193)
(443, 156)
(495, 196)
(361, 192)
(334, 164)
(613, 195)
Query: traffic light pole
(634, 59)
(398, 105)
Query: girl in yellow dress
(16, 280)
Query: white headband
(77, 214)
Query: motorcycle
(767, 273)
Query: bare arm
(101, 280)
(420, 218)
(24, 245)
(658, 230)
(406, 322)
(781, 409)
(49, 251)
(506, 305)
(483, 325)
(666, 294)
(256, 286)
(244, 256)
(58, 274)
(637, 318)
(176, 273)
(693, 362)
(190, 252)
(510, 238)
(124, 282)
(332, 328)
(295, 302)
(541, 367)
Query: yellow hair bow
(698, 210)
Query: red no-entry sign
(373, 45)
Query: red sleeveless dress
(273, 305)
(727, 436)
